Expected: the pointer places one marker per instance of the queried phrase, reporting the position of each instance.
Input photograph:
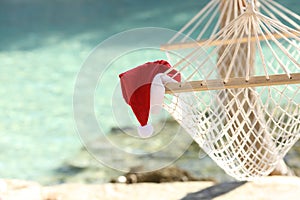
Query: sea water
(43, 46)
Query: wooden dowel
(193, 44)
(255, 81)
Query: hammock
(240, 93)
(215, 14)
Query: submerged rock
(122, 152)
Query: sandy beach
(266, 188)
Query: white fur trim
(157, 92)
(145, 131)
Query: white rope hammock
(215, 14)
(247, 74)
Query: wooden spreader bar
(255, 81)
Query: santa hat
(143, 89)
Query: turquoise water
(43, 44)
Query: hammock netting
(246, 131)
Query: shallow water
(43, 44)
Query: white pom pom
(145, 131)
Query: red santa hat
(143, 89)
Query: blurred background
(43, 45)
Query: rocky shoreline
(86, 166)
(83, 166)
(265, 188)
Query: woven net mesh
(246, 131)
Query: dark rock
(69, 170)
(169, 174)
(118, 130)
